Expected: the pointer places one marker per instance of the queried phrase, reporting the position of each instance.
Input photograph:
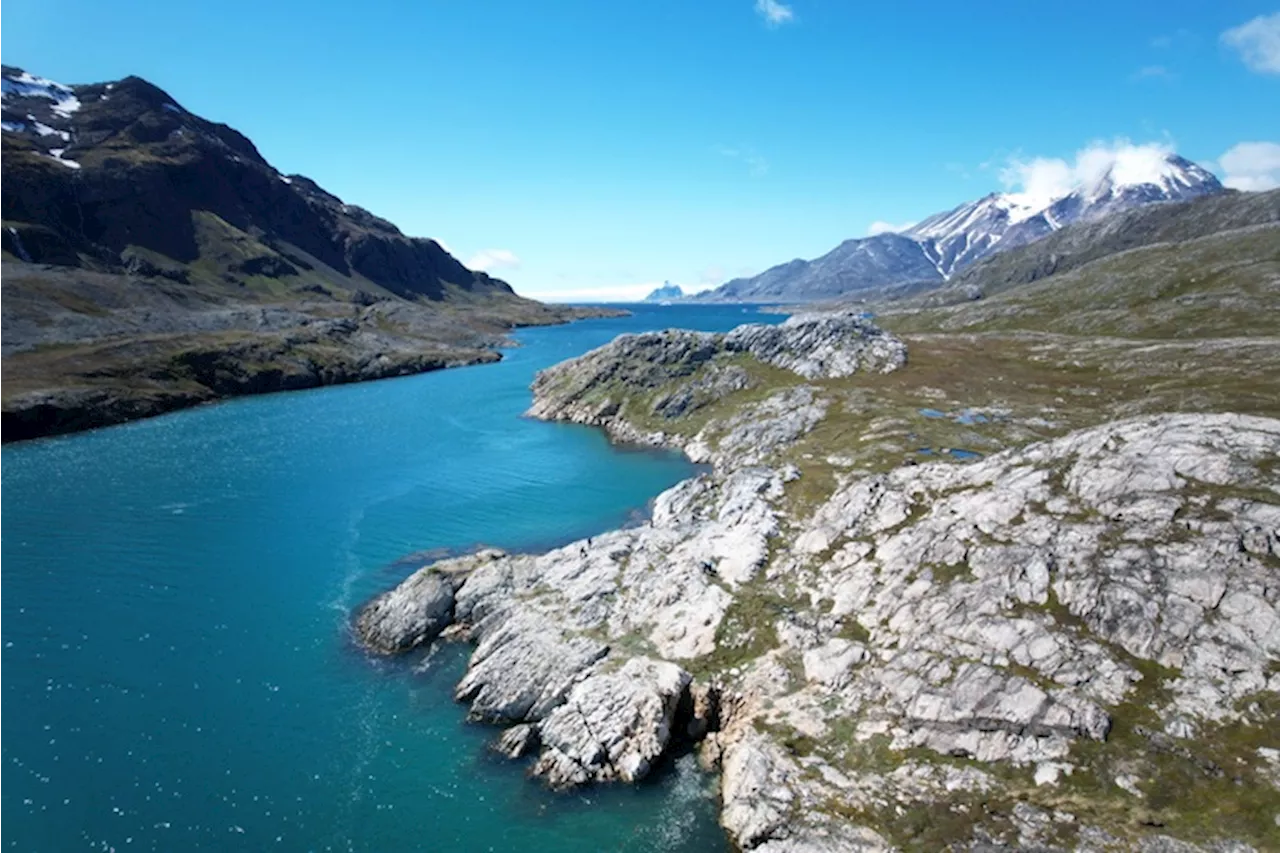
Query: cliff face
(1071, 643)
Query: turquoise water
(177, 672)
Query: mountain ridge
(154, 260)
(81, 159)
(933, 251)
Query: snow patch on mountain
(27, 85)
(56, 153)
(1042, 196)
(1055, 194)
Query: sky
(592, 149)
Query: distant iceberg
(667, 292)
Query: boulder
(612, 726)
(413, 613)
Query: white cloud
(881, 227)
(1153, 72)
(1042, 179)
(1251, 166)
(1258, 43)
(757, 165)
(775, 14)
(492, 259)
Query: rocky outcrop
(916, 642)
(411, 614)
(1135, 541)
(818, 346)
(612, 725)
(674, 373)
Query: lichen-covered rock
(816, 346)
(689, 370)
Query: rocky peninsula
(1072, 643)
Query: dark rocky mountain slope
(110, 176)
(153, 259)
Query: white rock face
(821, 345)
(524, 667)
(831, 664)
(998, 611)
(758, 799)
(612, 725)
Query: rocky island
(1003, 579)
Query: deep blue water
(177, 672)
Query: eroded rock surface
(413, 613)
(677, 372)
(931, 640)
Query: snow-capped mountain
(945, 243)
(959, 237)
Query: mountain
(932, 251)
(1091, 240)
(667, 291)
(118, 176)
(153, 259)
(883, 260)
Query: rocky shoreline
(933, 655)
(178, 359)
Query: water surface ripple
(177, 674)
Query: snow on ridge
(44, 129)
(1101, 181)
(56, 153)
(27, 85)
(1126, 168)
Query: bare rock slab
(612, 726)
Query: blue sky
(597, 147)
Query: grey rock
(690, 369)
(523, 667)
(613, 725)
(413, 613)
(821, 345)
(517, 741)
